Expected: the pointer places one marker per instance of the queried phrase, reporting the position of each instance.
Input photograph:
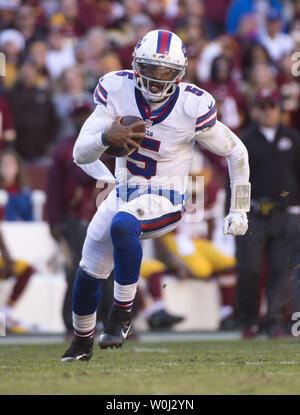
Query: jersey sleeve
(201, 106)
(101, 93)
(207, 113)
(106, 88)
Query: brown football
(121, 151)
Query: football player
(151, 180)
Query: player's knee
(123, 227)
(93, 272)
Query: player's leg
(218, 260)
(156, 314)
(95, 266)
(22, 272)
(193, 259)
(146, 216)
(125, 232)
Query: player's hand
(236, 223)
(119, 135)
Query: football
(127, 120)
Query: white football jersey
(164, 157)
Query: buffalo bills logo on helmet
(183, 50)
(140, 42)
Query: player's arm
(90, 143)
(220, 140)
(100, 131)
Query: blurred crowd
(56, 50)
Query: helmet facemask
(143, 68)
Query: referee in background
(274, 156)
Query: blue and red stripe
(103, 90)
(206, 116)
(124, 305)
(161, 222)
(208, 124)
(98, 98)
(163, 42)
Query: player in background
(151, 179)
(21, 271)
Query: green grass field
(198, 367)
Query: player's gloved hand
(236, 223)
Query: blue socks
(86, 293)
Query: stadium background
(55, 53)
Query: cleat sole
(76, 359)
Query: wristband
(240, 200)
(103, 139)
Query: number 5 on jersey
(150, 165)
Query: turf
(206, 367)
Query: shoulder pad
(110, 82)
(201, 105)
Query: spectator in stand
(98, 47)
(215, 10)
(71, 203)
(8, 11)
(261, 76)
(68, 20)
(141, 24)
(104, 13)
(71, 91)
(193, 13)
(194, 42)
(253, 53)
(12, 44)
(109, 63)
(289, 86)
(277, 43)
(38, 54)
(131, 8)
(83, 58)
(34, 115)
(48, 7)
(26, 24)
(223, 45)
(7, 129)
(245, 17)
(60, 55)
(156, 10)
(12, 180)
(223, 88)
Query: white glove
(236, 223)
